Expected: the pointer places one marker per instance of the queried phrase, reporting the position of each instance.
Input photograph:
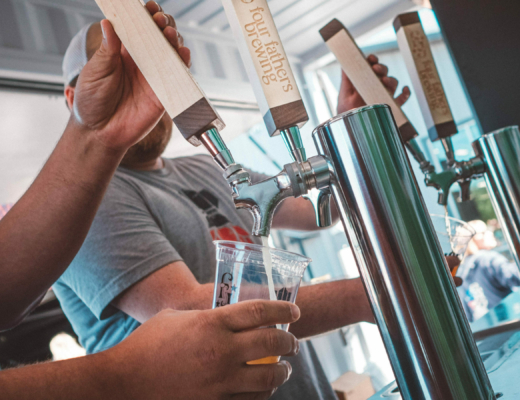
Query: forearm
(298, 214)
(91, 377)
(171, 287)
(328, 306)
(41, 234)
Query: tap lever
(162, 67)
(266, 64)
(427, 85)
(418, 155)
(293, 140)
(213, 142)
(361, 74)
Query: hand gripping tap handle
(168, 76)
(269, 71)
(368, 85)
(361, 74)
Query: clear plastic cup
(454, 235)
(241, 275)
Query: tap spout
(461, 172)
(262, 199)
(295, 180)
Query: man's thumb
(111, 42)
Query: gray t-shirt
(147, 220)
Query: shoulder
(200, 162)
(123, 186)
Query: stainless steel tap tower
(497, 153)
(415, 303)
(363, 163)
(500, 152)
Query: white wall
(30, 126)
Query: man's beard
(150, 147)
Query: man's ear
(69, 95)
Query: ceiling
(34, 34)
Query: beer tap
(369, 86)
(418, 57)
(200, 123)
(183, 99)
(284, 114)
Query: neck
(150, 165)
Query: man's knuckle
(258, 312)
(272, 340)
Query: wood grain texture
(406, 19)
(417, 55)
(265, 60)
(160, 64)
(197, 119)
(361, 74)
(286, 116)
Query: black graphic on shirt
(208, 203)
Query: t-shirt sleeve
(124, 245)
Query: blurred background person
(488, 276)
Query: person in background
(487, 276)
(175, 354)
(151, 244)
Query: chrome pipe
(500, 151)
(414, 300)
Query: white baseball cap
(76, 55)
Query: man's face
(152, 145)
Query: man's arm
(196, 355)
(114, 108)
(324, 306)
(298, 214)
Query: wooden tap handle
(361, 74)
(162, 67)
(266, 63)
(427, 85)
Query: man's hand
(203, 354)
(112, 97)
(349, 98)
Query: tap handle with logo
(417, 54)
(267, 66)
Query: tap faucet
(461, 172)
(295, 180)
(435, 108)
(281, 104)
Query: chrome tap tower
(500, 152)
(403, 268)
